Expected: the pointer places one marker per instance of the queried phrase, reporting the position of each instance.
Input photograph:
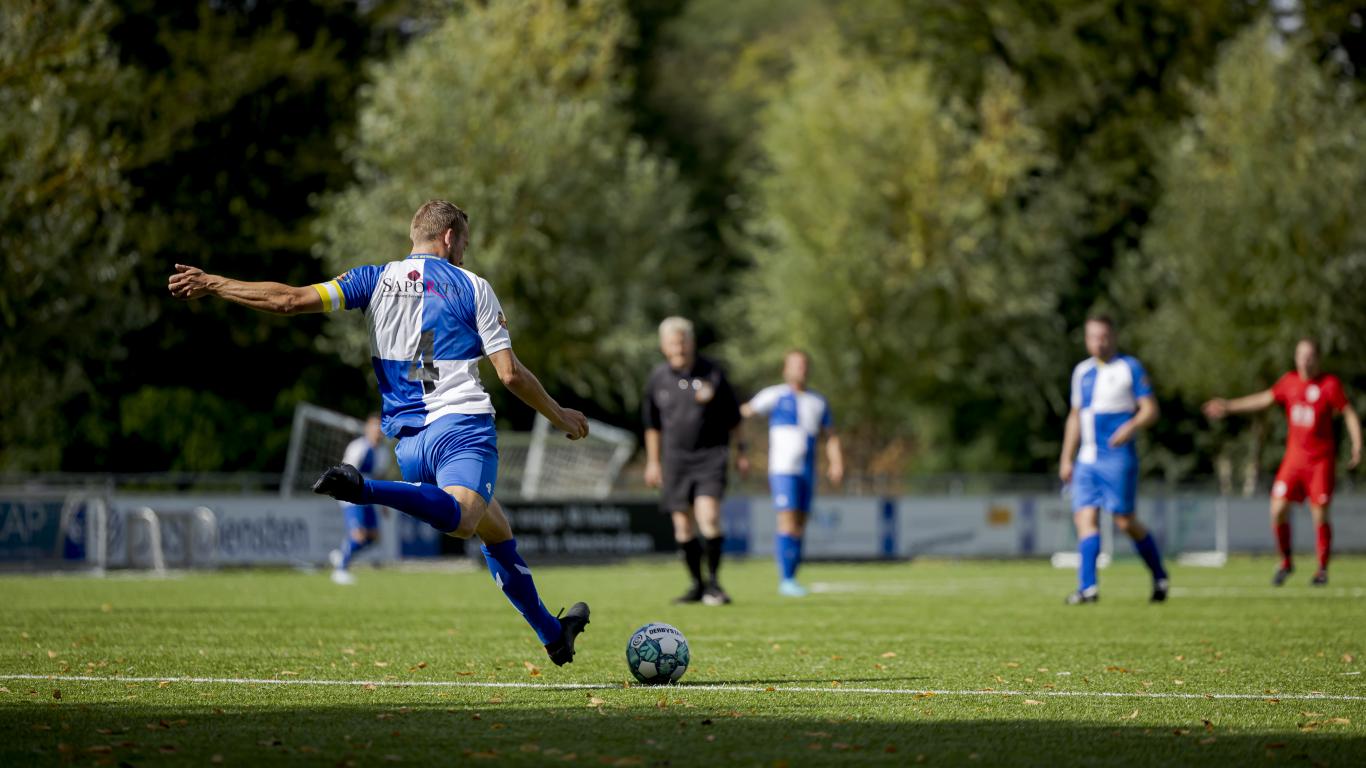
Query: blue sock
(1147, 549)
(511, 574)
(785, 550)
(349, 549)
(1089, 548)
(424, 501)
(801, 547)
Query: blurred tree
(513, 112)
(67, 293)
(914, 245)
(1258, 238)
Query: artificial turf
(1017, 678)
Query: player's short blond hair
(434, 218)
(675, 324)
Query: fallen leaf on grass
(1032, 701)
(1208, 725)
(52, 654)
(1130, 716)
(288, 673)
(1348, 658)
(99, 749)
(532, 669)
(57, 694)
(1208, 740)
(216, 759)
(167, 749)
(369, 687)
(1338, 721)
(889, 655)
(594, 701)
(381, 663)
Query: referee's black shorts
(689, 474)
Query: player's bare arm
(276, 298)
(834, 458)
(654, 473)
(1349, 415)
(1145, 417)
(521, 382)
(1219, 408)
(1071, 437)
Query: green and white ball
(657, 654)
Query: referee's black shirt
(694, 409)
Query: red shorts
(1301, 480)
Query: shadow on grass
(638, 731)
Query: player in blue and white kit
(1111, 400)
(366, 453)
(797, 417)
(430, 323)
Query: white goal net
(536, 464)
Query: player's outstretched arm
(276, 298)
(1218, 408)
(1349, 415)
(521, 382)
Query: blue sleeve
(358, 284)
(1142, 387)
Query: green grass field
(1229, 672)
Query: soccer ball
(657, 654)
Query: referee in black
(690, 411)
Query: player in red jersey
(1310, 399)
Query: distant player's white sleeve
(355, 452)
(1076, 387)
(767, 399)
(488, 313)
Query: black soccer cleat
(1320, 578)
(572, 623)
(342, 482)
(1282, 574)
(693, 595)
(1159, 591)
(1081, 598)
(714, 595)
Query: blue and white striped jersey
(430, 323)
(1107, 395)
(795, 420)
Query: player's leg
(351, 543)
(1086, 501)
(1320, 501)
(419, 496)
(788, 535)
(1122, 501)
(1323, 529)
(1088, 549)
(513, 576)
(1283, 493)
(707, 509)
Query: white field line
(974, 587)
(1311, 696)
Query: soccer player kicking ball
(430, 322)
(796, 418)
(362, 521)
(1111, 400)
(1310, 399)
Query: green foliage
(1258, 238)
(910, 242)
(66, 294)
(513, 112)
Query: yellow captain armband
(331, 294)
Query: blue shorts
(1110, 486)
(360, 517)
(791, 492)
(459, 449)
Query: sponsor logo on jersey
(414, 275)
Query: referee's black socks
(714, 547)
(692, 557)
